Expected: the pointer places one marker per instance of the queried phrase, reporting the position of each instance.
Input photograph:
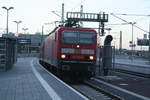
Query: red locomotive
(71, 50)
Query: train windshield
(78, 37)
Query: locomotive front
(77, 50)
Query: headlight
(63, 56)
(91, 57)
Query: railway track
(131, 72)
(107, 94)
(94, 92)
(89, 90)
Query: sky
(35, 13)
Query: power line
(129, 22)
(119, 17)
(132, 14)
(116, 24)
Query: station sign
(143, 42)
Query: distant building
(10, 35)
(29, 42)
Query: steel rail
(113, 96)
(133, 73)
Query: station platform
(27, 80)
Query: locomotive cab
(77, 50)
(71, 50)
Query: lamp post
(25, 29)
(18, 22)
(132, 44)
(7, 16)
(26, 47)
(42, 33)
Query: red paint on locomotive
(67, 47)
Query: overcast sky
(34, 13)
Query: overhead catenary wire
(116, 24)
(129, 23)
(132, 14)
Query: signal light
(91, 57)
(63, 56)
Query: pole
(17, 22)
(99, 26)
(81, 11)
(132, 41)
(17, 27)
(149, 42)
(7, 22)
(62, 17)
(120, 46)
(7, 9)
(42, 33)
(132, 44)
(25, 29)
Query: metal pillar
(7, 9)
(149, 43)
(62, 16)
(81, 10)
(132, 45)
(17, 22)
(120, 45)
(42, 33)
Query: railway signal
(74, 17)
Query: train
(71, 50)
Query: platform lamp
(7, 16)
(132, 44)
(25, 34)
(18, 22)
